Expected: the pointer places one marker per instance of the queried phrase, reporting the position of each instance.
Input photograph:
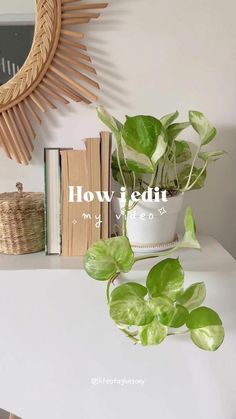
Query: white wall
(17, 6)
(154, 57)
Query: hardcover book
(52, 201)
(76, 182)
(75, 226)
(94, 184)
(106, 141)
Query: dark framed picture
(15, 43)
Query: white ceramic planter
(151, 226)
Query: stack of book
(76, 216)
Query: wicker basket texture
(21, 222)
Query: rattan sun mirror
(57, 69)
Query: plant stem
(130, 336)
(124, 223)
(150, 185)
(162, 175)
(176, 174)
(118, 145)
(191, 171)
(108, 290)
(153, 178)
(133, 205)
(181, 332)
(126, 189)
(109, 286)
(134, 178)
(200, 174)
(127, 208)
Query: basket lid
(12, 201)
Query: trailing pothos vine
(147, 314)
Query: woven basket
(21, 222)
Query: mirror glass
(17, 21)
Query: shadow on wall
(110, 78)
(215, 204)
(112, 93)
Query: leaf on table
(206, 328)
(128, 305)
(105, 258)
(165, 278)
(153, 333)
(176, 318)
(193, 296)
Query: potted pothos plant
(149, 155)
(148, 314)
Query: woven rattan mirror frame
(56, 70)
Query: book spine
(64, 203)
(93, 150)
(60, 214)
(59, 199)
(75, 215)
(105, 181)
(46, 209)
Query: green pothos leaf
(161, 305)
(196, 177)
(128, 306)
(112, 123)
(189, 240)
(182, 151)
(206, 328)
(175, 129)
(135, 161)
(176, 318)
(202, 317)
(165, 278)
(211, 155)
(129, 180)
(208, 338)
(107, 257)
(202, 126)
(130, 289)
(144, 144)
(166, 120)
(193, 296)
(153, 333)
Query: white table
(56, 336)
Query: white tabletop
(56, 337)
(212, 257)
